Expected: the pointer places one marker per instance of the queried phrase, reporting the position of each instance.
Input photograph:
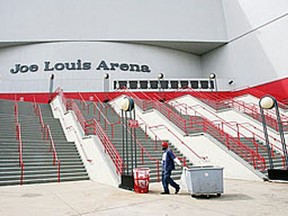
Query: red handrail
(16, 112)
(230, 141)
(102, 105)
(255, 128)
(71, 105)
(38, 112)
(257, 93)
(106, 121)
(239, 125)
(171, 132)
(53, 149)
(218, 102)
(144, 150)
(100, 113)
(222, 123)
(254, 112)
(97, 130)
(63, 99)
(254, 136)
(108, 146)
(235, 144)
(20, 150)
(19, 138)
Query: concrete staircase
(149, 144)
(276, 158)
(225, 139)
(38, 160)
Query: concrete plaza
(90, 198)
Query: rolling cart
(204, 180)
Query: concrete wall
(99, 166)
(256, 53)
(173, 63)
(256, 32)
(54, 20)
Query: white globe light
(212, 76)
(125, 103)
(160, 76)
(106, 76)
(267, 102)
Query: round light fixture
(212, 75)
(127, 104)
(106, 76)
(160, 76)
(267, 102)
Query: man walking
(168, 159)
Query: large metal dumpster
(204, 180)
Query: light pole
(51, 82)
(160, 77)
(128, 116)
(269, 102)
(106, 82)
(212, 77)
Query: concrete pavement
(90, 198)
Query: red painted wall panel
(278, 89)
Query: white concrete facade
(89, 62)
(252, 36)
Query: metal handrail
(222, 123)
(254, 135)
(71, 105)
(75, 132)
(144, 150)
(258, 93)
(20, 150)
(106, 121)
(63, 99)
(53, 149)
(254, 113)
(97, 130)
(239, 125)
(38, 112)
(99, 100)
(16, 112)
(19, 138)
(100, 113)
(182, 142)
(108, 146)
(228, 139)
(253, 157)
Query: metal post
(135, 147)
(280, 128)
(266, 137)
(131, 143)
(51, 87)
(123, 142)
(126, 144)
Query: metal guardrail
(231, 143)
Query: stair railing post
(281, 132)
(265, 131)
(134, 135)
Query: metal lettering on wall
(80, 65)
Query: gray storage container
(204, 180)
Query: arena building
(196, 71)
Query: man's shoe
(177, 190)
(164, 193)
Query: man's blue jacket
(168, 160)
